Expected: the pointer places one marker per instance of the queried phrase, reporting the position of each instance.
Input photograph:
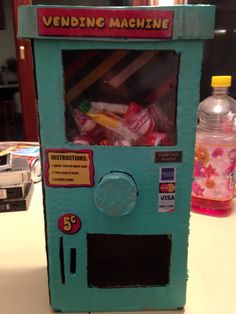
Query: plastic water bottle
(215, 151)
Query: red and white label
(89, 22)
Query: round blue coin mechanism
(116, 194)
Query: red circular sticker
(69, 223)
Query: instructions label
(69, 168)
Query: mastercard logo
(167, 187)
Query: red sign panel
(105, 23)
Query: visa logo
(166, 196)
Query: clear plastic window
(121, 97)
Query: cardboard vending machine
(118, 90)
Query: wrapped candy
(162, 122)
(138, 120)
(83, 122)
(122, 143)
(156, 138)
(79, 140)
(110, 124)
(114, 124)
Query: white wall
(7, 41)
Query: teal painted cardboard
(191, 22)
(70, 290)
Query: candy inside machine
(131, 102)
(118, 90)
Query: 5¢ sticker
(69, 223)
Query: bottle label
(214, 171)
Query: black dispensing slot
(62, 263)
(128, 260)
(73, 260)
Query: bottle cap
(221, 81)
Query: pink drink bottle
(215, 151)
